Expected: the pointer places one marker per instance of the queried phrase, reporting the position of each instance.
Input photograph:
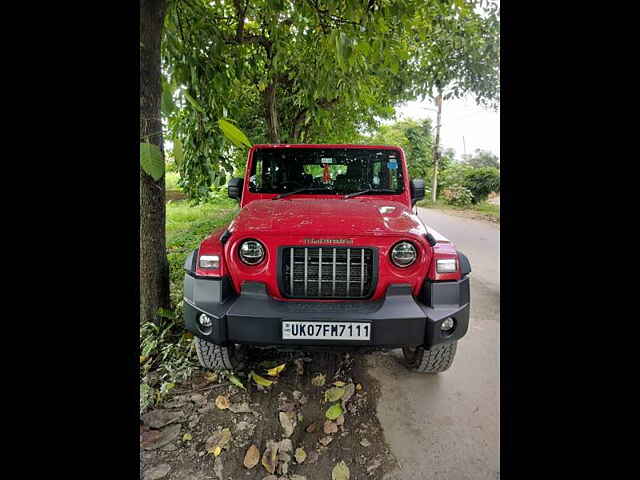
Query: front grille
(327, 272)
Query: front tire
(218, 357)
(438, 359)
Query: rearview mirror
(234, 188)
(417, 190)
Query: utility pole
(436, 149)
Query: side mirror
(417, 190)
(234, 188)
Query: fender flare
(465, 265)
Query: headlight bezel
(254, 262)
(403, 244)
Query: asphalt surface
(446, 426)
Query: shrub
(457, 195)
(453, 175)
(481, 182)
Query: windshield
(336, 170)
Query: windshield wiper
(369, 190)
(300, 190)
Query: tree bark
(271, 112)
(436, 151)
(154, 267)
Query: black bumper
(255, 318)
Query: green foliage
(151, 160)
(452, 174)
(171, 180)
(459, 52)
(482, 158)
(457, 195)
(233, 133)
(170, 358)
(484, 209)
(481, 182)
(166, 349)
(312, 72)
(414, 137)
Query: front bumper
(255, 318)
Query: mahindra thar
(327, 253)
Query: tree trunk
(271, 112)
(154, 267)
(436, 151)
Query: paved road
(446, 426)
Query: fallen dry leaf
(359, 387)
(252, 457)
(340, 420)
(334, 411)
(312, 427)
(288, 422)
(365, 443)
(153, 439)
(240, 408)
(284, 457)
(222, 402)
(275, 371)
(330, 427)
(216, 442)
(334, 394)
(349, 390)
(159, 418)
(157, 472)
(263, 382)
(269, 456)
(286, 445)
(300, 455)
(325, 440)
(340, 471)
(318, 380)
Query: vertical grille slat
(306, 264)
(309, 272)
(362, 273)
(348, 271)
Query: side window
(256, 181)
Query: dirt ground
(356, 438)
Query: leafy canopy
(312, 71)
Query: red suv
(326, 252)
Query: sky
(461, 118)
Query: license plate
(326, 331)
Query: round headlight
(251, 252)
(403, 254)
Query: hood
(327, 216)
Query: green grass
(483, 208)
(165, 346)
(171, 181)
(188, 225)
